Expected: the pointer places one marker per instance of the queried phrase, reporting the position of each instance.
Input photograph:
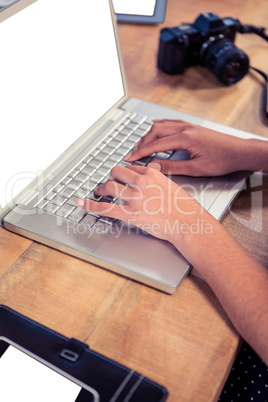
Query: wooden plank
(12, 246)
(183, 341)
(62, 292)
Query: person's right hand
(211, 153)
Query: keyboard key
(87, 159)
(49, 207)
(103, 171)
(96, 177)
(116, 157)
(122, 151)
(120, 137)
(124, 164)
(103, 155)
(65, 210)
(95, 163)
(128, 144)
(88, 170)
(161, 155)
(89, 220)
(65, 180)
(50, 195)
(71, 201)
(58, 200)
(146, 126)
(101, 226)
(93, 196)
(73, 173)
(81, 193)
(41, 204)
(132, 126)
(134, 138)
(74, 185)
(81, 166)
(77, 214)
(107, 219)
(139, 132)
(115, 144)
(58, 188)
(126, 133)
(107, 150)
(81, 177)
(88, 185)
(109, 164)
(66, 192)
(138, 118)
(107, 198)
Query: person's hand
(151, 202)
(211, 153)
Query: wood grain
(197, 91)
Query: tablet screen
(26, 379)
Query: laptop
(66, 119)
(140, 11)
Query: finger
(191, 167)
(137, 168)
(163, 128)
(177, 121)
(114, 189)
(127, 175)
(159, 145)
(101, 208)
(155, 131)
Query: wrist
(190, 227)
(254, 155)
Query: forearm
(240, 283)
(254, 155)
(238, 280)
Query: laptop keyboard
(95, 169)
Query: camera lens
(228, 63)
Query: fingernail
(131, 152)
(155, 165)
(80, 202)
(128, 155)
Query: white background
(59, 73)
(25, 379)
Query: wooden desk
(183, 341)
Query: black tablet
(140, 11)
(39, 364)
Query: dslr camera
(208, 42)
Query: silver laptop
(65, 121)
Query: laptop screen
(59, 74)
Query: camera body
(208, 42)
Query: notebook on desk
(66, 119)
(140, 11)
